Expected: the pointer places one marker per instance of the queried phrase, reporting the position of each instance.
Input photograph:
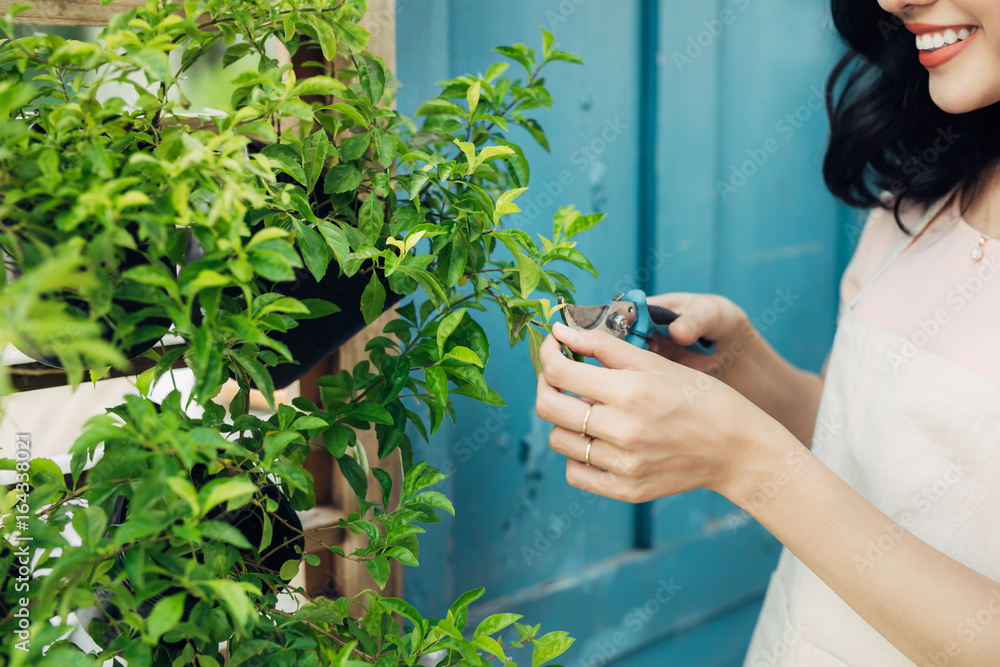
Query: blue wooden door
(699, 127)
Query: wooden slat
(27, 377)
(69, 12)
(352, 576)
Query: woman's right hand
(743, 359)
(705, 316)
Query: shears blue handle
(651, 320)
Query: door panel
(676, 95)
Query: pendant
(977, 253)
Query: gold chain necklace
(977, 252)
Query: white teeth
(932, 41)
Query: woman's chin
(954, 98)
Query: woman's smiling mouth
(939, 44)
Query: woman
(881, 478)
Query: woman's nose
(901, 8)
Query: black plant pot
(132, 258)
(313, 340)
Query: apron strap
(918, 227)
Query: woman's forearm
(926, 604)
(789, 394)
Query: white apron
(918, 435)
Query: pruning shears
(629, 318)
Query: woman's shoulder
(877, 233)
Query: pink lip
(932, 59)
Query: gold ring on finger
(586, 420)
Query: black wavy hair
(886, 134)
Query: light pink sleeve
(878, 237)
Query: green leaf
(487, 396)
(342, 178)
(566, 56)
(336, 240)
(574, 257)
(185, 489)
(373, 299)
(535, 130)
(475, 90)
(418, 180)
(154, 63)
(453, 261)
(521, 54)
(495, 71)
(505, 205)
(315, 150)
(495, 623)
(459, 610)
(237, 492)
(371, 219)
(355, 476)
(354, 147)
(437, 383)
(550, 646)
(289, 569)
(583, 223)
(287, 158)
(313, 248)
(378, 568)
(447, 327)
(464, 355)
(319, 85)
(371, 412)
(272, 265)
(351, 112)
(470, 153)
(529, 272)
(428, 281)
(404, 609)
(384, 481)
(547, 39)
(535, 340)
(309, 422)
(261, 378)
(234, 597)
(403, 555)
(325, 34)
(165, 616)
(225, 532)
(494, 152)
(436, 500)
(337, 439)
(564, 217)
(385, 146)
(157, 276)
(490, 645)
(371, 76)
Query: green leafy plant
(101, 203)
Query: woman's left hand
(658, 428)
